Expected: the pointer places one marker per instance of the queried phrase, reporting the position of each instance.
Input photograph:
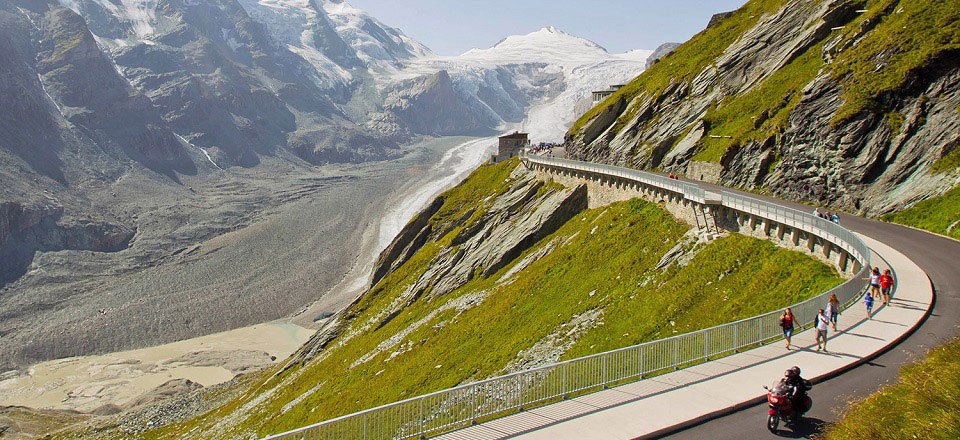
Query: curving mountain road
(939, 257)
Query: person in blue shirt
(868, 301)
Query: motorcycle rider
(798, 389)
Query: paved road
(940, 258)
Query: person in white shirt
(822, 324)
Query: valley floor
(89, 383)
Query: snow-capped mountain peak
(547, 45)
(374, 42)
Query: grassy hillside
(923, 403)
(903, 37)
(761, 112)
(882, 50)
(594, 287)
(940, 215)
(686, 61)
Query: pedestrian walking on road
(786, 323)
(822, 324)
(833, 308)
(874, 282)
(868, 301)
(886, 285)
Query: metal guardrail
(687, 190)
(448, 409)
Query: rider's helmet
(794, 371)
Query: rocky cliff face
(28, 229)
(814, 101)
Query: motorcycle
(781, 407)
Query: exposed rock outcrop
(517, 219)
(814, 142)
(407, 242)
(28, 229)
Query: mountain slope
(504, 251)
(538, 79)
(152, 152)
(848, 103)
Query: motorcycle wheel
(773, 422)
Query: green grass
(936, 214)
(686, 61)
(607, 262)
(924, 403)
(902, 38)
(908, 36)
(948, 163)
(761, 112)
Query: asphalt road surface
(939, 257)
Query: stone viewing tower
(510, 146)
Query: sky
(451, 27)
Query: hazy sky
(451, 27)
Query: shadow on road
(808, 427)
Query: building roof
(515, 135)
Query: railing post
(640, 361)
(473, 405)
(676, 354)
(519, 394)
(421, 417)
(706, 346)
(736, 339)
(603, 372)
(565, 386)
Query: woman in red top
(886, 285)
(786, 322)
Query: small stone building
(510, 146)
(600, 95)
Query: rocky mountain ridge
(839, 102)
(149, 137)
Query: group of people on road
(827, 215)
(881, 285)
(542, 147)
(825, 320)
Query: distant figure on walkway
(886, 285)
(822, 324)
(868, 301)
(833, 308)
(874, 282)
(786, 323)
(835, 218)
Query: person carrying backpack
(822, 324)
